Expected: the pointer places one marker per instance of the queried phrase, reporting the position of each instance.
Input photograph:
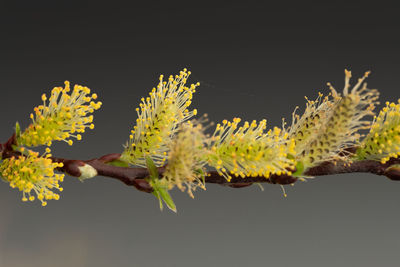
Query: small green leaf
(157, 194)
(167, 199)
(152, 168)
(299, 169)
(160, 191)
(118, 163)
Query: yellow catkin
(383, 140)
(33, 175)
(186, 159)
(249, 150)
(331, 125)
(158, 118)
(307, 127)
(66, 115)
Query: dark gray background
(254, 61)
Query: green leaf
(118, 163)
(157, 194)
(152, 168)
(167, 199)
(160, 191)
(299, 169)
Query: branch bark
(136, 176)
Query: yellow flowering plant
(33, 175)
(249, 150)
(187, 159)
(332, 124)
(168, 148)
(383, 140)
(66, 115)
(159, 116)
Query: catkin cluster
(166, 135)
(329, 126)
(65, 115)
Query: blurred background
(254, 60)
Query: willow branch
(136, 177)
